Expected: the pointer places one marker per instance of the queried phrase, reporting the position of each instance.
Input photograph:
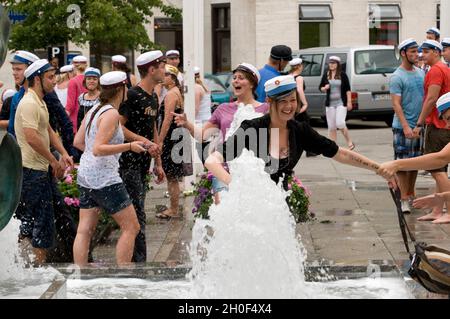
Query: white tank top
(62, 95)
(97, 172)
(204, 112)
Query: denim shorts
(218, 185)
(112, 199)
(35, 210)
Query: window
(314, 25)
(438, 16)
(376, 62)
(312, 64)
(342, 56)
(169, 35)
(221, 38)
(384, 22)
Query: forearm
(4, 124)
(428, 106)
(158, 161)
(56, 142)
(401, 116)
(37, 144)
(349, 98)
(425, 162)
(106, 149)
(164, 129)
(348, 157)
(130, 136)
(214, 164)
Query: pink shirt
(74, 90)
(223, 116)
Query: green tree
(104, 23)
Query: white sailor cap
(79, 59)
(280, 86)
(24, 57)
(38, 67)
(119, 59)
(295, 61)
(113, 79)
(92, 72)
(172, 53)
(249, 68)
(434, 31)
(445, 43)
(66, 68)
(150, 57)
(443, 104)
(196, 70)
(407, 44)
(334, 58)
(431, 44)
(7, 94)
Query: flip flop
(163, 215)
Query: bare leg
(346, 135)
(411, 178)
(129, 227)
(86, 228)
(403, 184)
(174, 193)
(40, 256)
(332, 134)
(442, 185)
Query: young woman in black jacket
(336, 85)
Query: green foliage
(119, 23)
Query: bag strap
(402, 221)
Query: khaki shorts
(435, 140)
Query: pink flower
(69, 179)
(68, 201)
(76, 202)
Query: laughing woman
(281, 151)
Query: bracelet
(130, 146)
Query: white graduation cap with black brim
(23, 57)
(113, 79)
(432, 45)
(37, 68)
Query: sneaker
(405, 207)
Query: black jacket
(345, 87)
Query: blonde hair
(80, 67)
(60, 78)
(199, 81)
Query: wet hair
(106, 96)
(143, 69)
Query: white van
(369, 69)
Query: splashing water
(248, 249)
(11, 263)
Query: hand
(66, 162)
(303, 109)
(409, 132)
(388, 170)
(429, 201)
(152, 148)
(57, 168)
(326, 87)
(349, 106)
(159, 172)
(416, 131)
(137, 147)
(180, 119)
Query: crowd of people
(115, 125)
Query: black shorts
(112, 199)
(435, 140)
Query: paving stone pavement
(356, 221)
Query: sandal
(352, 147)
(164, 215)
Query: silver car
(369, 69)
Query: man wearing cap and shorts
(138, 116)
(280, 55)
(437, 135)
(406, 86)
(446, 50)
(75, 89)
(34, 136)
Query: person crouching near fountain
(427, 162)
(101, 139)
(280, 140)
(245, 82)
(34, 136)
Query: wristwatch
(419, 125)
